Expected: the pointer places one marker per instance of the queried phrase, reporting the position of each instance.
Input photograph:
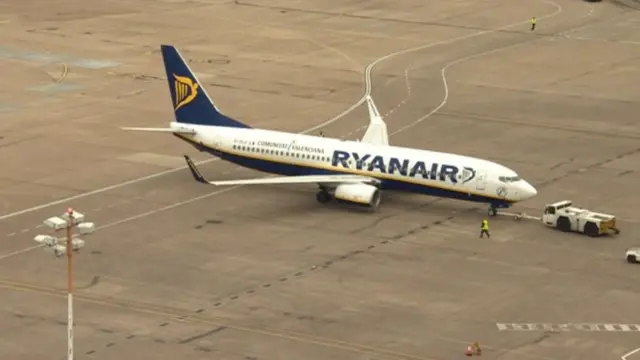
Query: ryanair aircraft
(348, 171)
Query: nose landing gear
(493, 210)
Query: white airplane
(349, 171)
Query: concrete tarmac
(181, 270)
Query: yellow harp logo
(186, 90)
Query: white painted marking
(24, 230)
(443, 71)
(628, 42)
(337, 117)
(568, 327)
(368, 87)
(11, 234)
(38, 226)
(404, 101)
(166, 161)
(135, 217)
(625, 356)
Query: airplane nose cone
(528, 191)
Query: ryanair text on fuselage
(404, 167)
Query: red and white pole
(69, 285)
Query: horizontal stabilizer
(171, 130)
(303, 179)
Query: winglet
(194, 171)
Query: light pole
(67, 221)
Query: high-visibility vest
(485, 225)
(533, 21)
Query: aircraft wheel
(323, 197)
(375, 201)
(493, 211)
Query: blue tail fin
(191, 103)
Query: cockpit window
(509, 179)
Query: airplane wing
(377, 131)
(303, 179)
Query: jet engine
(360, 194)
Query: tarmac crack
(202, 336)
(189, 317)
(284, 9)
(586, 168)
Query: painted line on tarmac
(585, 327)
(443, 71)
(625, 356)
(368, 88)
(168, 207)
(131, 218)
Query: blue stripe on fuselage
(275, 167)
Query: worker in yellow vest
(533, 23)
(484, 229)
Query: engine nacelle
(361, 194)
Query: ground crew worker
(484, 229)
(533, 23)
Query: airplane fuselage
(398, 168)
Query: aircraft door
(481, 179)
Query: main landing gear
(323, 196)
